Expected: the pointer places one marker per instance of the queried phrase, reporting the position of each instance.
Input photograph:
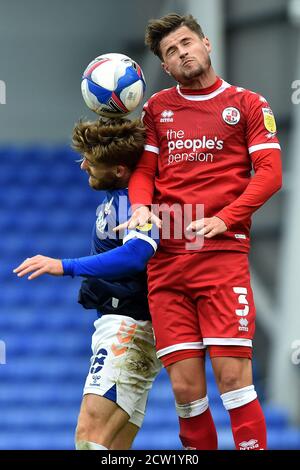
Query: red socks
(197, 432)
(249, 427)
(247, 420)
(197, 429)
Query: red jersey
(201, 147)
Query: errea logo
(167, 116)
(249, 445)
(243, 324)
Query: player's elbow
(273, 181)
(277, 174)
(138, 264)
(277, 182)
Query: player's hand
(209, 227)
(140, 217)
(38, 265)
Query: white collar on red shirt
(205, 94)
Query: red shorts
(199, 300)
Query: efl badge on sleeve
(269, 120)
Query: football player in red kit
(204, 136)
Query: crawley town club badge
(231, 116)
(269, 120)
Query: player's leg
(234, 379)
(227, 318)
(125, 437)
(99, 422)
(197, 429)
(123, 368)
(179, 346)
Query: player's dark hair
(157, 29)
(115, 141)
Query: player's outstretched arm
(128, 259)
(123, 261)
(39, 265)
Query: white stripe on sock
(195, 408)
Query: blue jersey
(121, 287)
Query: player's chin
(194, 72)
(94, 183)
(99, 185)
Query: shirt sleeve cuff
(67, 265)
(222, 215)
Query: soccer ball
(113, 85)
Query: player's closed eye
(171, 52)
(84, 159)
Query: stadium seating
(47, 207)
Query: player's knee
(82, 431)
(87, 425)
(229, 380)
(188, 380)
(185, 391)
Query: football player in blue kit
(123, 363)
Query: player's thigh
(232, 373)
(124, 363)
(188, 379)
(97, 413)
(125, 437)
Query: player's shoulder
(113, 199)
(115, 193)
(112, 211)
(160, 96)
(246, 96)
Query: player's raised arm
(142, 181)
(141, 188)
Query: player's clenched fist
(38, 265)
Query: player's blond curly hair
(116, 141)
(157, 29)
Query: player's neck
(123, 184)
(206, 80)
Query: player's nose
(84, 164)
(183, 53)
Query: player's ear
(207, 44)
(120, 171)
(165, 68)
